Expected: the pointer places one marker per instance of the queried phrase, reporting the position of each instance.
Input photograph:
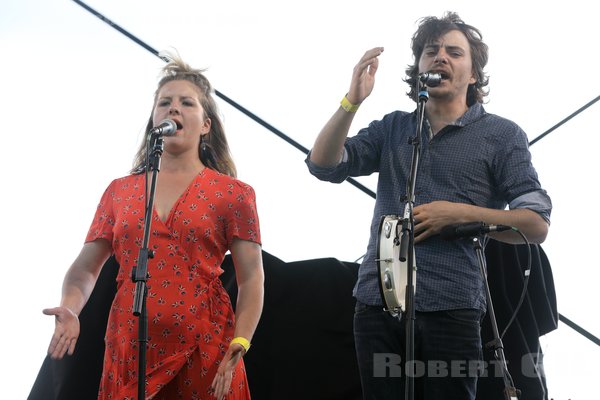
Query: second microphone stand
(406, 253)
(139, 274)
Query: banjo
(393, 273)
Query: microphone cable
(527, 274)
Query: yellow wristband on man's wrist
(241, 341)
(347, 106)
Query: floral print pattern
(190, 316)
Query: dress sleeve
(104, 219)
(242, 220)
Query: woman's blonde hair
(213, 149)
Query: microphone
(471, 229)
(167, 127)
(430, 79)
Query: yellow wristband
(347, 106)
(241, 341)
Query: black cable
(527, 274)
(564, 120)
(117, 27)
(286, 138)
(578, 329)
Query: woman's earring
(205, 152)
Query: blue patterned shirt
(481, 159)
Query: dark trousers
(447, 354)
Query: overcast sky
(76, 95)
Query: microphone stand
(406, 253)
(510, 392)
(139, 274)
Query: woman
(201, 211)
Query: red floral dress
(190, 317)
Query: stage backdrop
(304, 348)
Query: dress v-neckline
(182, 196)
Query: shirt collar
(474, 113)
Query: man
(472, 165)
